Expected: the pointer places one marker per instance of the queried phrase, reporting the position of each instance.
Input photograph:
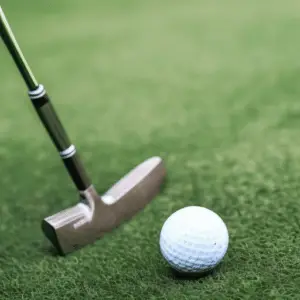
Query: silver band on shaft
(68, 152)
(38, 93)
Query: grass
(212, 87)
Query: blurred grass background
(210, 86)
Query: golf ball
(194, 240)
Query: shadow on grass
(179, 276)
(50, 250)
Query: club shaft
(45, 110)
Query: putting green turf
(212, 87)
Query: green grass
(211, 86)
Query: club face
(84, 223)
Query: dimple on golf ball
(194, 240)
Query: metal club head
(96, 215)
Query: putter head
(96, 215)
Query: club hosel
(89, 195)
(93, 204)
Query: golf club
(93, 215)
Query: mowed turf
(211, 86)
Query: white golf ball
(194, 240)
